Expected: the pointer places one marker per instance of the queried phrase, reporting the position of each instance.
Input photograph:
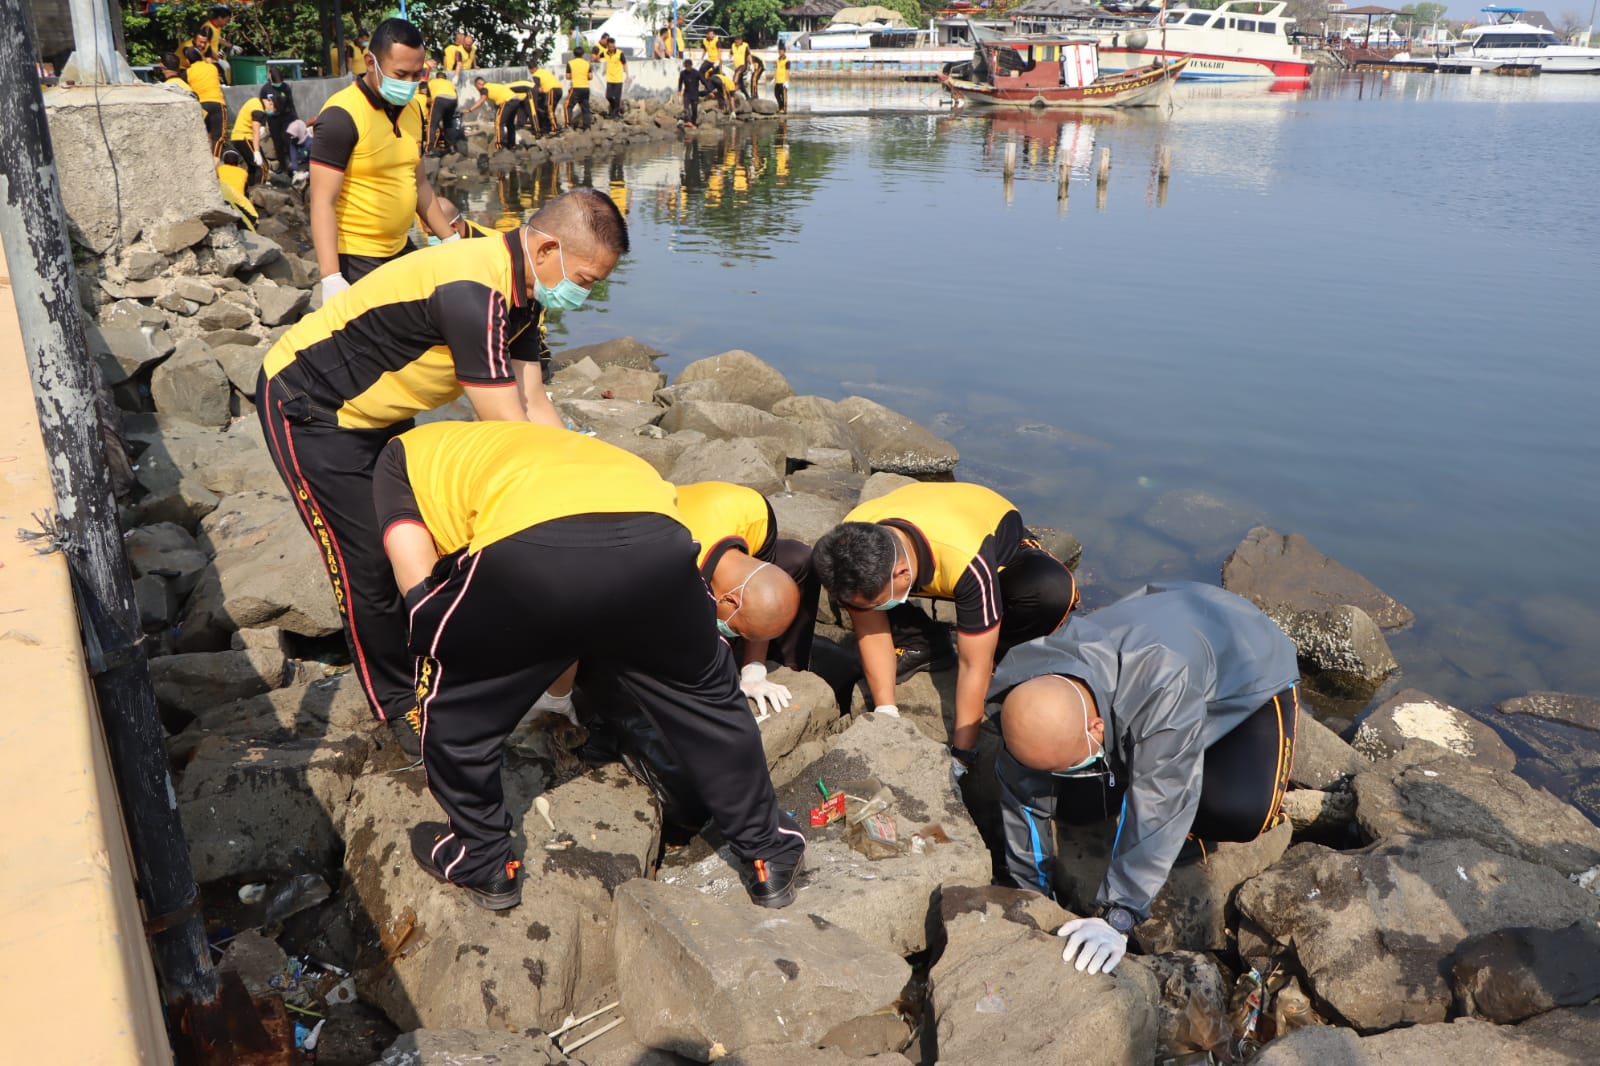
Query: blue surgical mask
(396, 91)
(568, 295)
(726, 630)
(891, 603)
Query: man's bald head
(1048, 722)
(758, 600)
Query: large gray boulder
(1341, 649)
(884, 901)
(804, 517)
(166, 550)
(191, 385)
(1449, 796)
(1413, 721)
(455, 965)
(1461, 1041)
(1580, 711)
(883, 483)
(828, 436)
(242, 364)
(1512, 974)
(743, 462)
(733, 421)
(1284, 573)
(124, 352)
(895, 443)
(741, 377)
(329, 707)
(707, 978)
(282, 305)
(1373, 929)
(225, 314)
(471, 1047)
(193, 682)
(250, 808)
(1001, 992)
(624, 351)
(803, 725)
(1322, 759)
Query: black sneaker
(771, 882)
(912, 661)
(501, 894)
(406, 731)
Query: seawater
(1364, 311)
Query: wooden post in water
(1163, 163)
(34, 231)
(1103, 170)
(1062, 179)
(1010, 169)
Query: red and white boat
(1053, 72)
(1241, 39)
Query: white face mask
(1093, 744)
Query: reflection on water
(1362, 315)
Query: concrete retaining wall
(80, 986)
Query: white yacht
(1239, 39)
(1508, 41)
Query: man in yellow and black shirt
(206, 83)
(739, 53)
(460, 57)
(248, 126)
(712, 57)
(366, 164)
(780, 79)
(616, 76)
(946, 541)
(509, 105)
(546, 97)
(459, 318)
(209, 40)
(523, 549)
(441, 113)
(578, 80)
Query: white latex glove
(562, 705)
(888, 710)
(958, 770)
(754, 684)
(259, 161)
(333, 285)
(1098, 946)
(452, 237)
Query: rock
(1279, 572)
(142, 265)
(171, 301)
(257, 960)
(1512, 974)
(292, 270)
(1312, 810)
(1580, 711)
(626, 383)
(1192, 911)
(183, 503)
(1059, 543)
(1192, 1016)
(740, 461)
(1341, 649)
(192, 386)
(1573, 1033)
(470, 1047)
(123, 353)
(193, 682)
(250, 808)
(281, 306)
(132, 290)
(826, 432)
(1465, 1040)
(1199, 520)
(177, 449)
(742, 378)
(660, 452)
(610, 416)
(733, 421)
(157, 601)
(895, 443)
(130, 314)
(624, 351)
(242, 364)
(1412, 718)
(458, 965)
(703, 977)
(1321, 757)
(258, 250)
(174, 237)
(839, 485)
(881, 484)
(804, 517)
(1448, 796)
(705, 389)
(219, 337)
(883, 901)
(167, 550)
(763, 106)
(1002, 994)
(194, 291)
(1372, 929)
(331, 707)
(808, 719)
(225, 314)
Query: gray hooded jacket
(1173, 668)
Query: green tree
(757, 20)
(910, 10)
(1424, 14)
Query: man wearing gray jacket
(1187, 696)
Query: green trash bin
(248, 70)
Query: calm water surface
(1365, 312)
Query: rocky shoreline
(1423, 901)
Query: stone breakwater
(1423, 900)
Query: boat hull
(1207, 67)
(1143, 87)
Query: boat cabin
(1240, 16)
(1036, 62)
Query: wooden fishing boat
(1053, 72)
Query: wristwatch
(967, 756)
(1119, 918)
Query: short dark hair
(688, 64)
(583, 213)
(854, 560)
(169, 60)
(391, 32)
(192, 54)
(232, 158)
(480, 80)
(221, 11)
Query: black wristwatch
(1119, 918)
(967, 756)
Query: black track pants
(1037, 593)
(443, 114)
(328, 472)
(620, 593)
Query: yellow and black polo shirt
(546, 80)
(406, 337)
(782, 76)
(578, 71)
(438, 87)
(616, 66)
(458, 58)
(498, 94)
(178, 80)
(251, 113)
(473, 483)
(722, 517)
(741, 53)
(727, 82)
(713, 53)
(206, 81)
(212, 33)
(376, 146)
(964, 535)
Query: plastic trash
(252, 893)
(876, 836)
(1244, 1013)
(300, 892)
(990, 1002)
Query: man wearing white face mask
(464, 318)
(367, 180)
(1186, 695)
(945, 541)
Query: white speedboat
(1510, 42)
(1240, 39)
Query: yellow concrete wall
(76, 981)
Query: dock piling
(1011, 160)
(1103, 168)
(1163, 164)
(1062, 178)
